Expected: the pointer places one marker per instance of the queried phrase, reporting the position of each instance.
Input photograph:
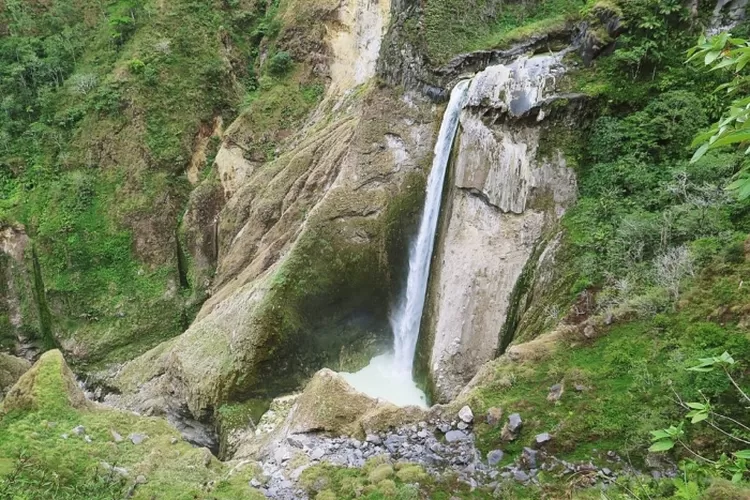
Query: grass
(450, 28)
(628, 375)
(96, 173)
(37, 462)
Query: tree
(724, 52)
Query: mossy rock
(329, 404)
(48, 384)
(721, 489)
(326, 495)
(11, 369)
(412, 473)
(381, 472)
(387, 488)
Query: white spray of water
(406, 317)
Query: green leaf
(696, 406)
(742, 454)
(699, 153)
(711, 57)
(737, 477)
(699, 417)
(726, 358)
(663, 445)
(660, 434)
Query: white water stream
(389, 376)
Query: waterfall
(388, 376)
(406, 317)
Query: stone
(281, 455)
(589, 332)
(11, 369)
(520, 476)
(555, 392)
(116, 436)
(542, 438)
(174, 441)
(581, 388)
(317, 453)
(373, 438)
(255, 483)
(25, 393)
(121, 471)
(463, 426)
(393, 442)
(494, 457)
(79, 430)
(87, 438)
(514, 422)
(494, 416)
(444, 427)
(329, 404)
(454, 436)
(64, 436)
(137, 438)
(141, 479)
(295, 441)
(528, 457)
(511, 428)
(466, 415)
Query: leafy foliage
(729, 53)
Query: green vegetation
(379, 479)
(102, 104)
(451, 28)
(720, 52)
(657, 245)
(42, 457)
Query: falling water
(388, 376)
(408, 314)
(513, 88)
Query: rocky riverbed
(441, 448)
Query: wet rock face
(726, 14)
(505, 197)
(346, 189)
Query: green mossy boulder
(11, 369)
(379, 473)
(47, 385)
(329, 404)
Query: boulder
(453, 436)
(11, 369)
(466, 415)
(494, 457)
(49, 384)
(329, 404)
(512, 427)
(542, 438)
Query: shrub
(280, 63)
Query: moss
(11, 369)
(725, 490)
(237, 416)
(629, 374)
(326, 495)
(46, 403)
(412, 474)
(387, 488)
(380, 473)
(450, 29)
